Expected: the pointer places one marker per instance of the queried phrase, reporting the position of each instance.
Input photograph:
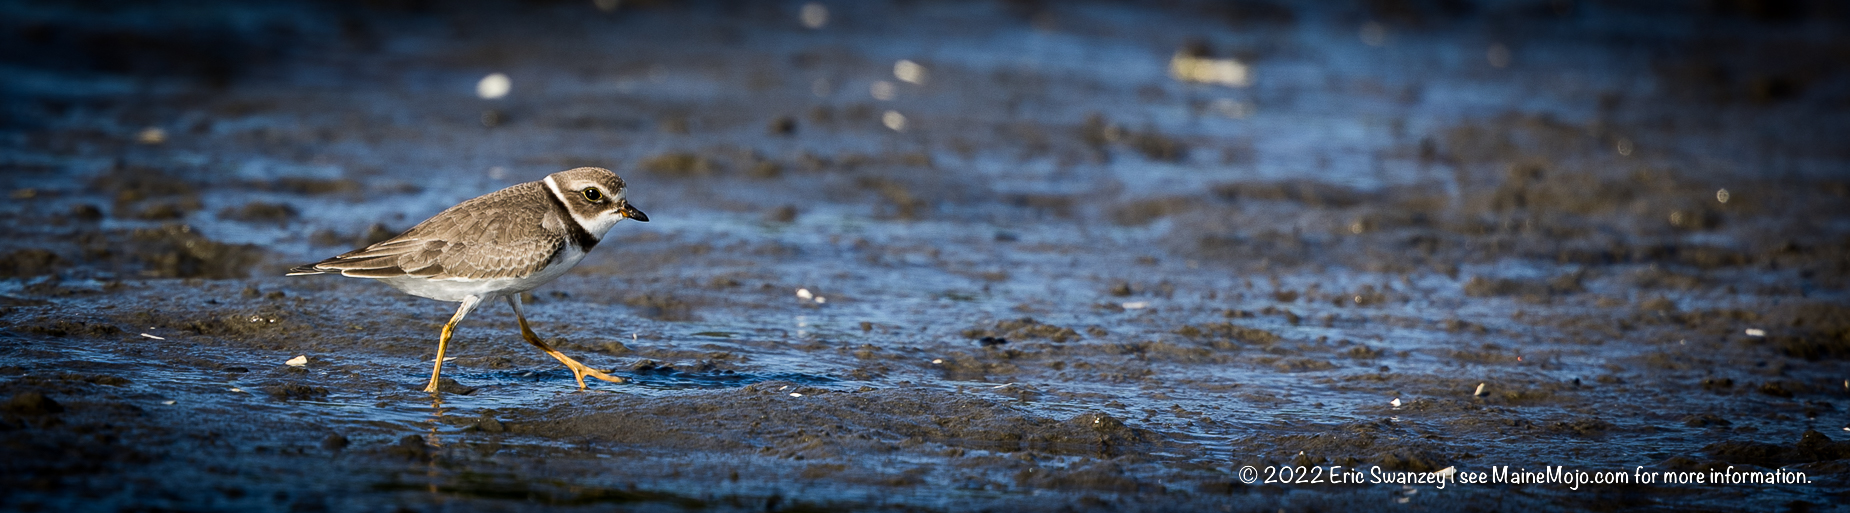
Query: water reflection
(1232, 108)
(434, 441)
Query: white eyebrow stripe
(564, 201)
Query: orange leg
(579, 370)
(443, 342)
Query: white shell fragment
(151, 135)
(883, 90)
(493, 86)
(814, 15)
(298, 361)
(1226, 72)
(909, 71)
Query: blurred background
(1583, 232)
(299, 126)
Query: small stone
(490, 425)
(785, 125)
(1120, 289)
(33, 403)
(410, 447)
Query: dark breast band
(582, 238)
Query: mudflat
(930, 256)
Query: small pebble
(490, 424)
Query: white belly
(456, 289)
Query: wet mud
(1011, 256)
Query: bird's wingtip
(304, 271)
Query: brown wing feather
(498, 235)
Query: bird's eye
(593, 195)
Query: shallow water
(1217, 277)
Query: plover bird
(498, 245)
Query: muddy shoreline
(1036, 269)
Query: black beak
(631, 212)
